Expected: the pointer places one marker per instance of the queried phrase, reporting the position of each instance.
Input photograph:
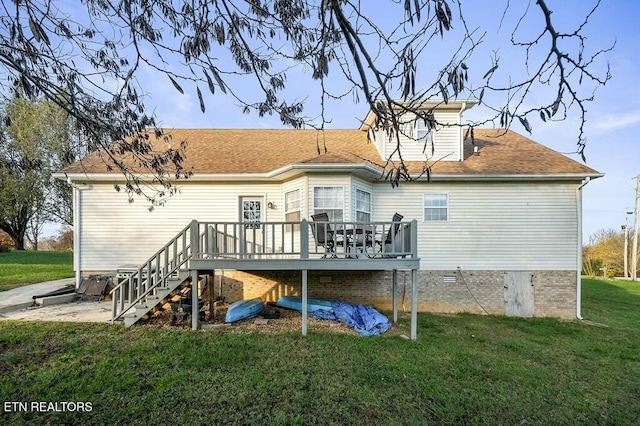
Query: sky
(613, 118)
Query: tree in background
(91, 60)
(33, 140)
(61, 242)
(605, 250)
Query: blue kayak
(295, 303)
(243, 309)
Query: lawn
(463, 369)
(18, 268)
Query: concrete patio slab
(84, 311)
(17, 304)
(22, 297)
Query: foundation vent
(449, 279)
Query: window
(292, 206)
(436, 207)
(422, 132)
(363, 206)
(329, 200)
(251, 213)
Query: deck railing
(305, 239)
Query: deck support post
(211, 279)
(394, 296)
(304, 302)
(414, 304)
(194, 300)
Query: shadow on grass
(29, 257)
(613, 303)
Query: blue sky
(613, 118)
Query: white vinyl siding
(446, 140)
(491, 226)
(116, 232)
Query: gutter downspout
(76, 231)
(579, 256)
(463, 108)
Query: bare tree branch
(90, 60)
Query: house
(496, 229)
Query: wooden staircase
(157, 297)
(155, 280)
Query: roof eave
(512, 177)
(280, 174)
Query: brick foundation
(470, 291)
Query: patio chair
(391, 234)
(324, 235)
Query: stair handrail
(161, 273)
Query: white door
(518, 294)
(251, 216)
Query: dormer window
(422, 133)
(416, 140)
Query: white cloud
(609, 122)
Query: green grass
(464, 369)
(18, 268)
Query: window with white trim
(363, 206)
(436, 207)
(292, 206)
(422, 133)
(329, 200)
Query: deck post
(414, 304)
(304, 302)
(194, 300)
(414, 238)
(211, 279)
(304, 239)
(394, 296)
(194, 240)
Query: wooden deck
(282, 242)
(203, 247)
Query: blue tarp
(363, 319)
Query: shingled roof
(239, 151)
(257, 151)
(505, 152)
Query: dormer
(417, 141)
